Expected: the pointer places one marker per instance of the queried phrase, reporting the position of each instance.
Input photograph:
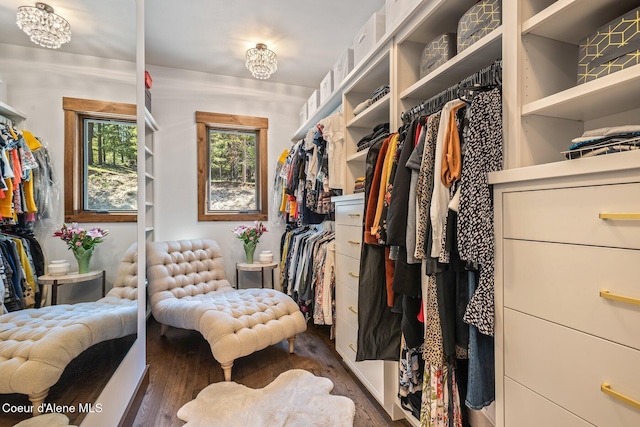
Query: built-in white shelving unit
(11, 113)
(544, 108)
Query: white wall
(37, 80)
(176, 96)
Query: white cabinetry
(560, 338)
(379, 377)
(544, 106)
(567, 300)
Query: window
(232, 167)
(100, 179)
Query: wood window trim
(74, 110)
(205, 120)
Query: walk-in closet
(280, 213)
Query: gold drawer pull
(606, 389)
(353, 242)
(631, 216)
(356, 215)
(353, 348)
(354, 275)
(621, 298)
(353, 310)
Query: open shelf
(375, 114)
(570, 21)
(408, 415)
(615, 93)
(359, 156)
(472, 59)
(11, 113)
(439, 16)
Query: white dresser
(568, 294)
(379, 377)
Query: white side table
(256, 267)
(64, 279)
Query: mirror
(98, 63)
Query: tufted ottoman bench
(188, 289)
(37, 344)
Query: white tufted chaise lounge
(37, 344)
(188, 289)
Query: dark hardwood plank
(181, 365)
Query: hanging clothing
(483, 154)
(307, 268)
(425, 186)
(440, 196)
(413, 164)
(333, 131)
(379, 327)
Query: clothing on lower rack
(22, 261)
(307, 268)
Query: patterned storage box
(478, 21)
(437, 52)
(613, 47)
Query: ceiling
(210, 35)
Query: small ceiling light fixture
(261, 61)
(44, 27)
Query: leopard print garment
(433, 346)
(475, 217)
(425, 184)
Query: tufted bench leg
(227, 370)
(37, 399)
(292, 340)
(163, 329)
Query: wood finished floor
(181, 365)
(81, 382)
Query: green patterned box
(437, 52)
(614, 47)
(478, 21)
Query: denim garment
(481, 389)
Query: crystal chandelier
(261, 61)
(43, 26)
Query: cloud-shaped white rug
(295, 398)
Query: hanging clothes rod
(6, 121)
(489, 76)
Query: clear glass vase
(83, 256)
(249, 249)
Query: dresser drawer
(571, 215)
(349, 240)
(350, 214)
(347, 304)
(370, 372)
(569, 367)
(347, 271)
(524, 408)
(562, 283)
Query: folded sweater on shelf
(607, 140)
(361, 107)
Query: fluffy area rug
(296, 398)
(46, 420)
